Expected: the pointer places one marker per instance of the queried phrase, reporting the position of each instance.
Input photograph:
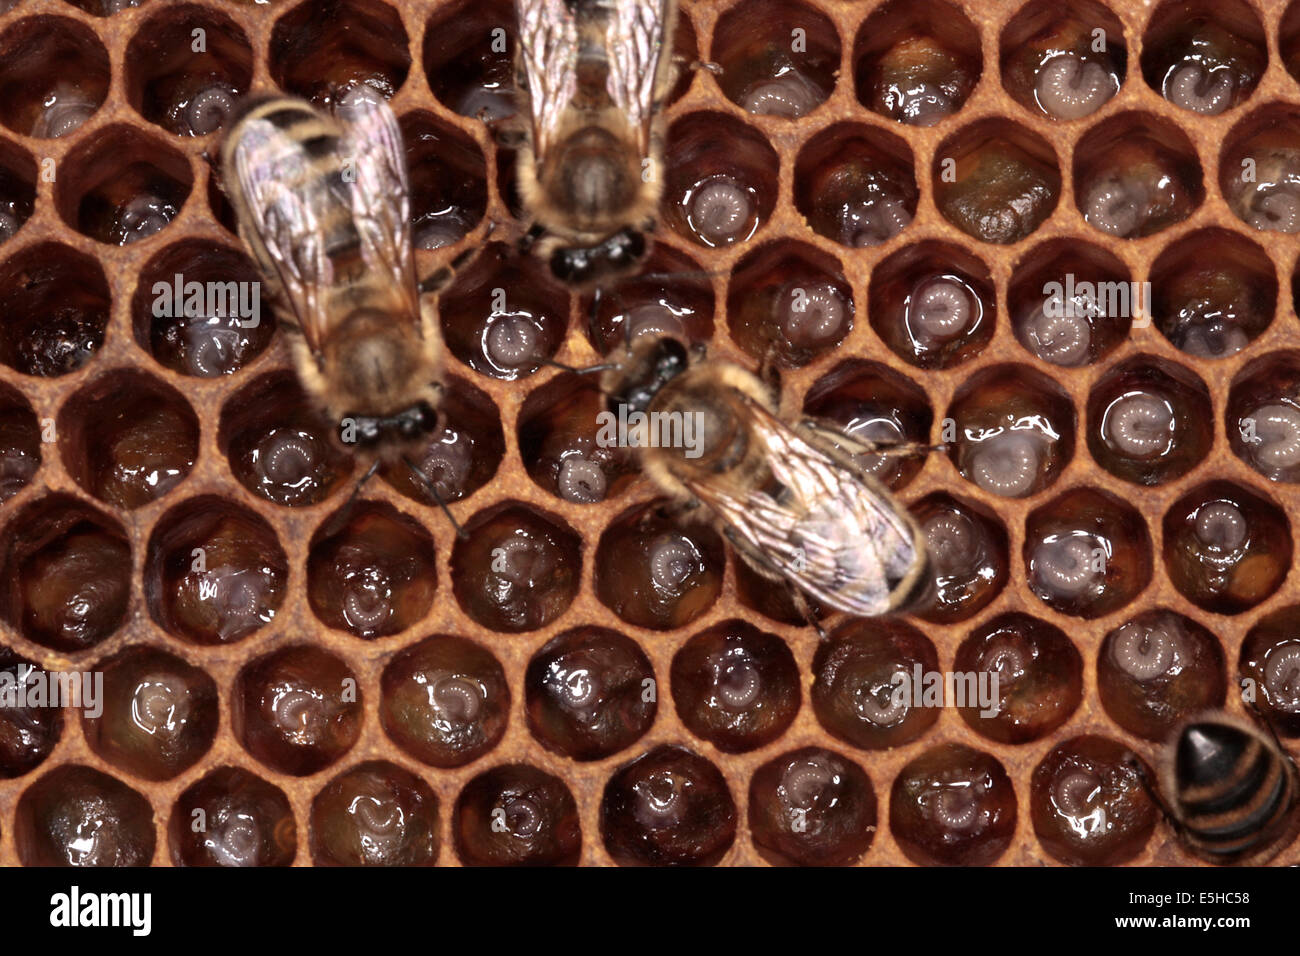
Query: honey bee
(593, 73)
(1229, 790)
(790, 498)
(323, 204)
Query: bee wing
(636, 32)
(833, 532)
(548, 50)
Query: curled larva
(1220, 526)
(1276, 208)
(812, 314)
(1008, 463)
(1144, 651)
(1276, 440)
(1215, 338)
(456, 699)
(1062, 339)
(956, 808)
(1282, 676)
(1008, 657)
(1139, 425)
(523, 817)
(65, 109)
(367, 600)
(581, 480)
(208, 109)
(939, 310)
(521, 560)
(953, 542)
(447, 463)
(805, 781)
(884, 705)
(1069, 88)
(791, 96)
(920, 104)
(738, 685)
(1116, 205)
(512, 342)
(673, 559)
(871, 222)
(721, 211)
(1075, 792)
(1191, 86)
(1066, 567)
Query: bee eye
(568, 264)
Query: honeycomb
(176, 517)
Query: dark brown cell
(590, 692)
(953, 806)
(865, 689)
(670, 292)
(54, 75)
(158, 713)
(517, 815)
(321, 49)
(373, 574)
(297, 709)
(1225, 548)
(1269, 667)
(1206, 56)
(67, 574)
(20, 443)
(854, 184)
(1064, 62)
(1017, 679)
(56, 302)
(1259, 169)
(1012, 429)
(996, 181)
(1087, 553)
(933, 303)
(469, 58)
(659, 569)
(763, 72)
(18, 172)
(1088, 805)
(214, 573)
(448, 181)
(232, 818)
(128, 439)
(29, 728)
(444, 701)
(1157, 669)
(735, 686)
(969, 558)
(516, 569)
(77, 816)
(668, 807)
(375, 814)
(756, 592)
(811, 807)
(1263, 420)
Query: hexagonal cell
(516, 815)
(590, 692)
(1269, 666)
(953, 806)
(157, 716)
(54, 74)
(1149, 421)
(916, 61)
(1072, 302)
(1063, 62)
(933, 303)
(1157, 669)
(996, 181)
(1017, 679)
(658, 569)
(1013, 428)
(969, 558)
(778, 58)
(874, 403)
(246, 822)
(1204, 56)
(67, 573)
(127, 438)
(1087, 553)
(811, 807)
(185, 81)
(1263, 415)
(448, 181)
(668, 293)
(788, 302)
(1136, 174)
(214, 573)
(297, 709)
(461, 456)
(122, 186)
(517, 568)
(17, 189)
(504, 314)
(855, 184)
(20, 443)
(371, 571)
(444, 701)
(1226, 548)
(197, 309)
(469, 58)
(375, 814)
(78, 816)
(856, 684)
(279, 445)
(560, 445)
(1088, 806)
(735, 686)
(55, 303)
(29, 731)
(720, 186)
(322, 48)
(668, 807)
(1259, 169)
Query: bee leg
(854, 445)
(805, 611)
(504, 133)
(439, 279)
(341, 516)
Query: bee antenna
(341, 517)
(578, 371)
(429, 486)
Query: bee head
(618, 253)
(650, 363)
(371, 431)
